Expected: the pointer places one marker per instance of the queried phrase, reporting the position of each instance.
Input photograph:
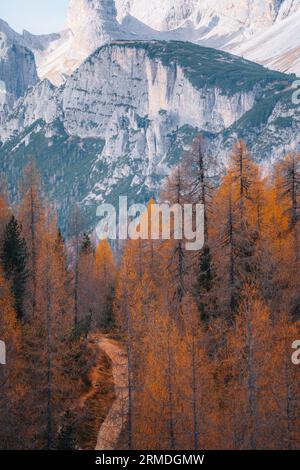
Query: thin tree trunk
(170, 397)
(49, 372)
(194, 397)
(76, 292)
(251, 385)
(130, 381)
(288, 409)
(33, 250)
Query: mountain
(221, 24)
(114, 119)
(225, 25)
(17, 68)
(258, 30)
(123, 118)
(215, 20)
(90, 24)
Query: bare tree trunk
(251, 384)
(49, 371)
(288, 407)
(170, 396)
(33, 250)
(231, 260)
(76, 286)
(194, 396)
(130, 379)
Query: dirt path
(113, 425)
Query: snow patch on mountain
(278, 47)
(215, 20)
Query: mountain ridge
(123, 119)
(213, 23)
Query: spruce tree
(14, 260)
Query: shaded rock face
(17, 68)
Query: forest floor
(99, 397)
(115, 421)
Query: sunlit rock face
(89, 24)
(92, 22)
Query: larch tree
(249, 381)
(197, 386)
(11, 375)
(287, 184)
(234, 224)
(157, 400)
(198, 190)
(127, 282)
(284, 394)
(76, 230)
(225, 244)
(177, 264)
(105, 276)
(31, 216)
(49, 345)
(87, 291)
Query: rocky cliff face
(123, 119)
(125, 83)
(17, 68)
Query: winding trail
(115, 421)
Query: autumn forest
(207, 334)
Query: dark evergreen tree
(14, 257)
(86, 246)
